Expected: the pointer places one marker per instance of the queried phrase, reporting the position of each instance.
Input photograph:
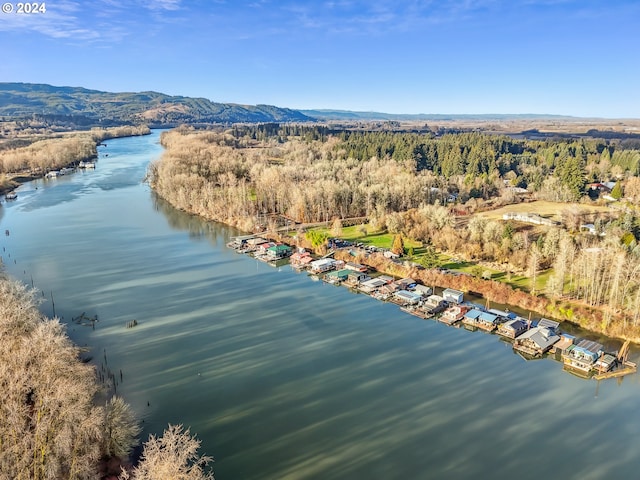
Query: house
(471, 317)
(513, 328)
(582, 356)
(434, 304)
(278, 251)
(536, 341)
(488, 321)
(550, 324)
(264, 247)
(405, 297)
(390, 254)
(453, 314)
(356, 267)
(337, 276)
(405, 283)
(322, 265)
(372, 285)
(453, 296)
(252, 243)
(423, 290)
(300, 259)
(605, 363)
(355, 278)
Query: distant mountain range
(364, 116)
(94, 107)
(83, 107)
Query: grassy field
(381, 239)
(543, 208)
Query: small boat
(11, 196)
(52, 174)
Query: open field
(550, 210)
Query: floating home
(423, 290)
(434, 305)
(513, 328)
(536, 341)
(322, 265)
(301, 259)
(370, 286)
(278, 252)
(405, 283)
(453, 296)
(489, 321)
(453, 314)
(471, 317)
(583, 356)
(405, 297)
(356, 278)
(337, 276)
(356, 267)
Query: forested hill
(92, 107)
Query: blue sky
(406, 56)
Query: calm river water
(285, 378)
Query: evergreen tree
(617, 191)
(398, 245)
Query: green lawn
(380, 239)
(385, 240)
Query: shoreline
(15, 180)
(585, 317)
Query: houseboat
(337, 276)
(405, 297)
(356, 267)
(453, 314)
(453, 296)
(372, 285)
(278, 252)
(582, 357)
(300, 259)
(513, 328)
(423, 290)
(536, 341)
(470, 319)
(354, 279)
(323, 265)
(488, 321)
(433, 305)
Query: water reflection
(197, 228)
(285, 378)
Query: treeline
(50, 424)
(55, 153)
(470, 162)
(212, 174)
(200, 172)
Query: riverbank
(27, 163)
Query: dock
(627, 368)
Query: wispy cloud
(104, 21)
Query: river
(282, 377)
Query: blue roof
(487, 317)
(472, 314)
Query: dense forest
(58, 420)
(417, 185)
